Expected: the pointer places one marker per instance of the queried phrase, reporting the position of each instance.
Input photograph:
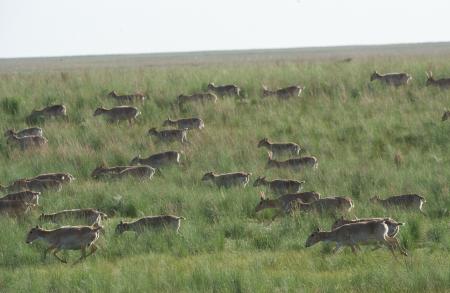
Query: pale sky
(91, 27)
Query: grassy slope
(354, 128)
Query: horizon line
(219, 51)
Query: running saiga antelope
(198, 97)
(158, 160)
(394, 226)
(280, 186)
(32, 131)
(34, 185)
(67, 238)
(15, 207)
(296, 163)
(407, 201)
(355, 234)
(170, 135)
(26, 196)
(228, 179)
(63, 177)
(225, 90)
(280, 148)
(150, 223)
(137, 97)
(283, 93)
(442, 83)
(103, 171)
(28, 142)
(185, 123)
(48, 112)
(119, 113)
(91, 216)
(396, 79)
(287, 203)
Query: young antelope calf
(296, 164)
(103, 171)
(228, 179)
(225, 90)
(286, 203)
(158, 160)
(119, 113)
(33, 131)
(198, 97)
(48, 112)
(442, 83)
(91, 216)
(283, 93)
(394, 226)
(127, 98)
(14, 207)
(280, 186)
(185, 123)
(149, 223)
(67, 238)
(169, 135)
(396, 79)
(28, 142)
(34, 185)
(139, 172)
(277, 149)
(407, 201)
(355, 234)
(26, 196)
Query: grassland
(353, 127)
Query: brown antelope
(280, 186)
(407, 201)
(278, 149)
(446, 115)
(297, 163)
(67, 238)
(28, 142)
(103, 171)
(330, 205)
(34, 185)
(185, 123)
(228, 179)
(393, 226)
(169, 135)
(140, 172)
(14, 207)
(158, 160)
(92, 216)
(198, 97)
(63, 177)
(127, 98)
(149, 223)
(283, 93)
(355, 234)
(225, 90)
(48, 112)
(119, 113)
(442, 83)
(26, 196)
(286, 203)
(33, 131)
(396, 79)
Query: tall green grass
(352, 126)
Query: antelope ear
(121, 222)
(317, 229)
